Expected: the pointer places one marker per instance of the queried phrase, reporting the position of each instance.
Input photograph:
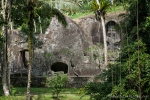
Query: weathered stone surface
(92, 29)
(63, 45)
(58, 44)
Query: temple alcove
(59, 66)
(113, 35)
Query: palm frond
(100, 9)
(93, 5)
(46, 10)
(104, 4)
(63, 5)
(61, 18)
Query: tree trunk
(112, 2)
(40, 25)
(30, 42)
(5, 81)
(10, 28)
(29, 68)
(139, 69)
(104, 39)
(5, 70)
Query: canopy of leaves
(70, 7)
(143, 19)
(42, 10)
(99, 9)
(122, 78)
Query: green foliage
(143, 21)
(97, 90)
(57, 83)
(101, 88)
(70, 7)
(80, 14)
(121, 80)
(130, 51)
(41, 97)
(101, 7)
(115, 8)
(13, 90)
(46, 12)
(132, 76)
(66, 6)
(121, 2)
(131, 65)
(42, 93)
(42, 9)
(19, 15)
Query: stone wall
(73, 82)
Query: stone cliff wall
(60, 49)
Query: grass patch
(112, 9)
(45, 94)
(115, 9)
(80, 14)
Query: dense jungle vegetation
(126, 79)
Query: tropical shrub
(102, 86)
(57, 83)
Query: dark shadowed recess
(59, 66)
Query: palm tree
(99, 7)
(31, 4)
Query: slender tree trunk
(112, 2)
(10, 28)
(139, 69)
(30, 42)
(29, 67)
(5, 70)
(34, 26)
(104, 39)
(40, 25)
(5, 81)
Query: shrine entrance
(113, 35)
(59, 66)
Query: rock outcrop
(60, 49)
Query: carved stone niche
(113, 35)
(59, 67)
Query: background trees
(122, 78)
(138, 57)
(124, 75)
